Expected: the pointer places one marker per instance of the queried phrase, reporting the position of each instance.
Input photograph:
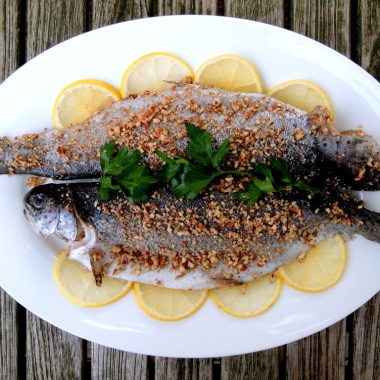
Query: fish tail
(354, 158)
(5, 147)
(367, 224)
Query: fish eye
(37, 201)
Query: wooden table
(33, 349)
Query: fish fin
(179, 84)
(97, 265)
(321, 119)
(222, 281)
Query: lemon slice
(150, 72)
(230, 72)
(302, 94)
(77, 284)
(168, 304)
(81, 99)
(322, 267)
(248, 300)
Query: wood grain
(321, 356)
(183, 369)
(179, 7)
(112, 364)
(51, 22)
(366, 341)
(261, 365)
(327, 21)
(52, 353)
(113, 11)
(8, 337)
(269, 11)
(9, 60)
(369, 36)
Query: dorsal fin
(322, 120)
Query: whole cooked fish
(259, 127)
(192, 244)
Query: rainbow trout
(203, 243)
(258, 126)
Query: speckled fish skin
(259, 127)
(309, 221)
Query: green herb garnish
(188, 177)
(272, 178)
(122, 171)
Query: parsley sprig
(188, 177)
(272, 178)
(122, 171)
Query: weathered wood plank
(8, 337)
(113, 364)
(321, 356)
(327, 21)
(52, 353)
(51, 22)
(369, 36)
(269, 11)
(176, 7)
(184, 369)
(259, 366)
(366, 321)
(112, 11)
(365, 358)
(9, 60)
(265, 364)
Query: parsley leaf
(189, 177)
(192, 181)
(303, 185)
(122, 171)
(221, 152)
(251, 194)
(200, 145)
(106, 153)
(124, 161)
(168, 171)
(281, 168)
(264, 185)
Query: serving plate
(27, 260)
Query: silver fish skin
(259, 127)
(197, 244)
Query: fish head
(50, 212)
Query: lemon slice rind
(74, 104)
(180, 296)
(300, 275)
(230, 72)
(293, 91)
(141, 76)
(231, 299)
(77, 283)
